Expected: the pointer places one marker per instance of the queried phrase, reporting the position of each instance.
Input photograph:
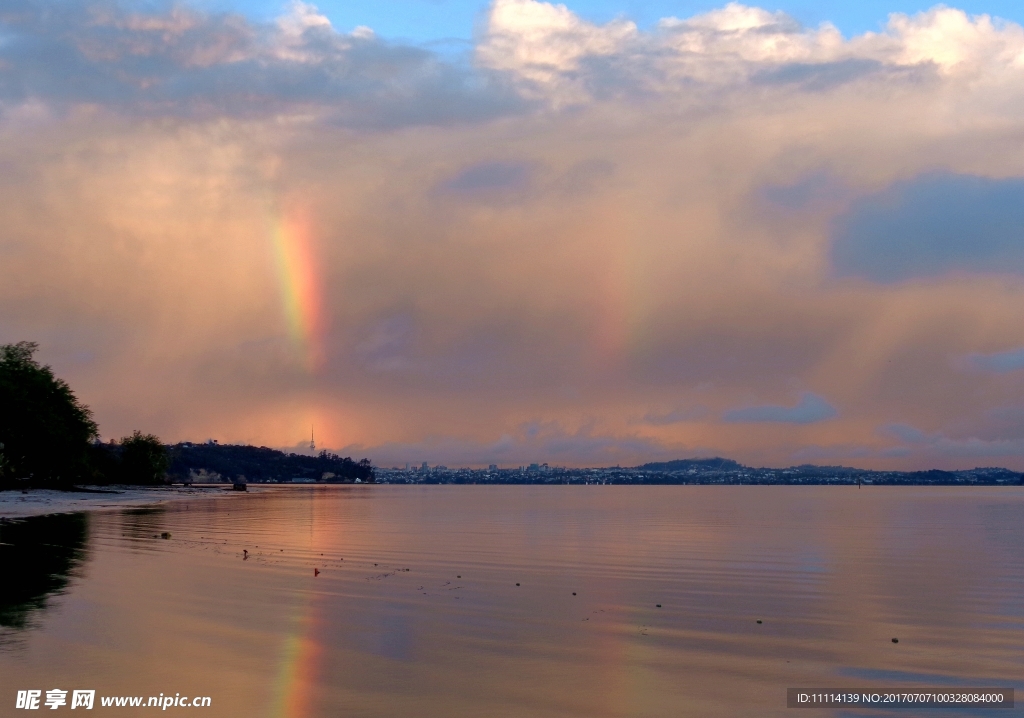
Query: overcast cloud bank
(580, 226)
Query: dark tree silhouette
(144, 460)
(45, 432)
(258, 463)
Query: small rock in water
(895, 640)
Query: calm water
(417, 611)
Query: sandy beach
(37, 502)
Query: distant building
(492, 467)
(424, 466)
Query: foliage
(45, 431)
(139, 459)
(144, 460)
(715, 464)
(258, 463)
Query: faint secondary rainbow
(300, 285)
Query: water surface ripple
(526, 600)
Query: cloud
(819, 76)
(547, 48)
(937, 445)
(676, 416)
(191, 63)
(810, 409)
(574, 236)
(529, 55)
(933, 224)
(998, 362)
(488, 178)
(906, 434)
(388, 344)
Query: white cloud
(554, 53)
(954, 41)
(542, 43)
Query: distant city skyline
(591, 234)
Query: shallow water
(416, 610)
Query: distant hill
(719, 470)
(715, 464)
(229, 462)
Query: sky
(522, 232)
(434, 22)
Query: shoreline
(18, 503)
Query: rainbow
(300, 285)
(299, 668)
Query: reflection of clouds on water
(387, 633)
(40, 556)
(558, 600)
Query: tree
(144, 459)
(45, 431)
